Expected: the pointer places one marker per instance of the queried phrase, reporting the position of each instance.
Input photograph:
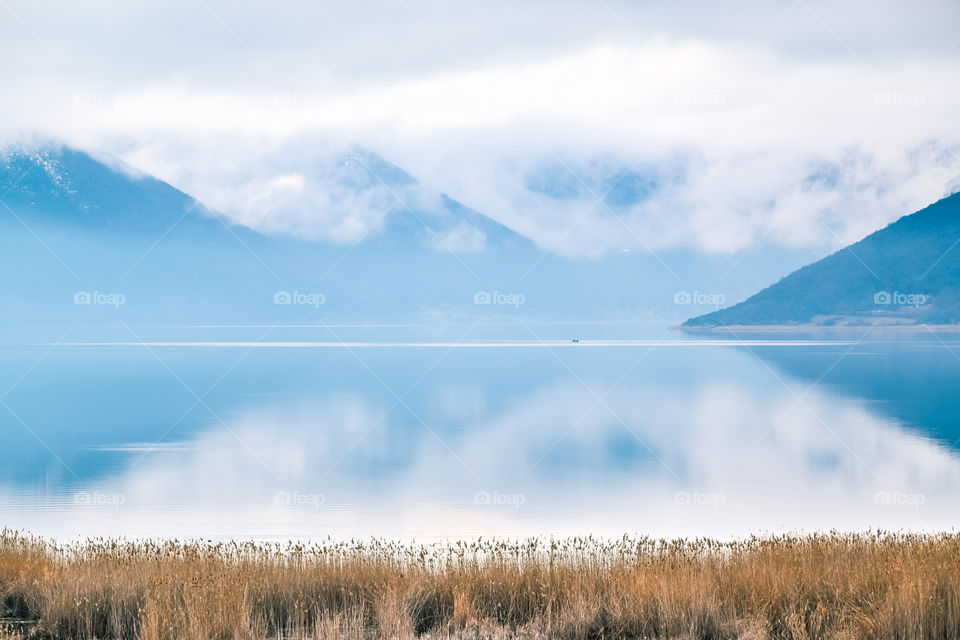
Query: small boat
(576, 340)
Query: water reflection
(699, 442)
(914, 380)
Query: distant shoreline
(818, 328)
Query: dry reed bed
(822, 586)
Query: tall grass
(821, 586)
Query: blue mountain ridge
(72, 223)
(905, 273)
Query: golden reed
(821, 586)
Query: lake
(428, 433)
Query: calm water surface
(465, 431)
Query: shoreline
(816, 328)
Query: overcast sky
(793, 123)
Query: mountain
(404, 212)
(86, 239)
(53, 184)
(906, 273)
(70, 188)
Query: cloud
(309, 187)
(789, 126)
